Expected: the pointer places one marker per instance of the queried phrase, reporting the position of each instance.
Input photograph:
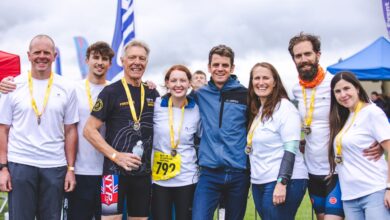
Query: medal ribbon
(252, 129)
(309, 114)
(47, 93)
(171, 130)
(131, 103)
(344, 130)
(89, 94)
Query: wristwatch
(3, 165)
(282, 180)
(387, 186)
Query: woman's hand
(279, 196)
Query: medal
(39, 120)
(171, 129)
(338, 159)
(306, 129)
(136, 126)
(248, 150)
(173, 152)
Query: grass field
(304, 211)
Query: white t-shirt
(267, 143)
(89, 161)
(32, 144)
(358, 175)
(161, 141)
(316, 150)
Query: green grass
(304, 211)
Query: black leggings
(163, 199)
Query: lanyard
(309, 115)
(344, 130)
(171, 130)
(89, 94)
(131, 103)
(252, 129)
(33, 102)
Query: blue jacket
(223, 115)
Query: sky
(183, 32)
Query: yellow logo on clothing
(98, 105)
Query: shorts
(135, 190)
(325, 195)
(84, 201)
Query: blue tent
(371, 63)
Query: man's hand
(5, 180)
(7, 85)
(150, 84)
(374, 152)
(279, 196)
(70, 181)
(128, 161)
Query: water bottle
(138, 149)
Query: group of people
(115, 146)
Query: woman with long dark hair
(278, 173)
(355, 123)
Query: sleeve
(6, 109)
(380, 125)
(103, 105)
(71, 111)
(289, 122)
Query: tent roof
(371, 63)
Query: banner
(9, 64)
(81, 49)
(124, 32)
(386, 14)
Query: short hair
(222, 50)
(199, 72)
(375, 93)
(40, 36)
(136, 43)
(101, 48)
(313, 39)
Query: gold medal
(173, 152)
(248, 150)
(136, 126)
(338, 159)
(306, 129)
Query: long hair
(339, 114)
(274, 98)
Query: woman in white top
(174, 168)
(278, 173)
(355, 123)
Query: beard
(309, 74)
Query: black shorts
(135, 190)
(325, 195)
(84, 201)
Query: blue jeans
(367, 207)
(263, 194)
(232, 184)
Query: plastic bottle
(138, 149)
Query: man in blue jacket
(222, 158)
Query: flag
(81, 49)
(386, 14)
(58, 62)
(124, 32)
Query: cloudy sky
(180, 31)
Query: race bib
(165, 166)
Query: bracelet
(113, 156)
(70, 168)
